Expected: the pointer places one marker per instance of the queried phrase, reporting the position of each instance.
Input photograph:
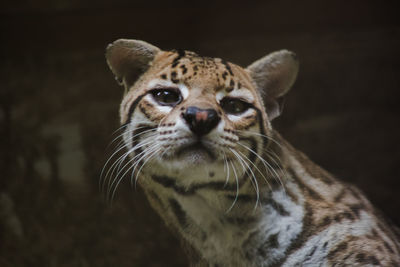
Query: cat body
(200, 143)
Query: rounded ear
(128, 59)
(273, 76)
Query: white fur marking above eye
(220, 95)
(158, 83)
(184, 90)
(243, 94)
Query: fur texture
(199, 141)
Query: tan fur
(252, 200)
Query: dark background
(59, 107)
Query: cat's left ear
(273, 76)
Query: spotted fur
(225, 181)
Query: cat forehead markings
(211, 74)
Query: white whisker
(253, 178)
(237, 189)
(267, 166)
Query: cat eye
(167, 97)
(234, 105)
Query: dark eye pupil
(234, 106)
(166, 97)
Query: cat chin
(196, 157)
(188, 159)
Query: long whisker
(275, 159)
(119, 177)
(120, 170)
(152, 154)
(143, 124)
(256, 167)
(140, 157)
(103, 178)
(226, 168)
(252, 178)
(119, 181)
(267, 166)
(237, 189)
(117, 164)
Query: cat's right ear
(128, 59)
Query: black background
(59, 107)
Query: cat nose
(201, 121)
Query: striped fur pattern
(234, 190)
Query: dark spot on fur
(279, 208)
(232, 83)
(326, 221)
(348, 256)
(312, 252)
(373, 260)
(273, 241)
(313, 194)
(356, 209)
(211, 174)
(227, 66)
(348, 215)
(179, 213)
(163, 76)
(181, 53)
(340, 247)
(386, 244)
(184, 69)
(360, 257)
(224, 75)
(339, 196)
(173, 77)
(338, 217)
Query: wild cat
(198, 135)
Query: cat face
(194, 110)
(182, 110)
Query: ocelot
(199, 141)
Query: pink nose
(201, 116)
(201, 121)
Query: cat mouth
(197, 151)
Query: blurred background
(59, 108)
